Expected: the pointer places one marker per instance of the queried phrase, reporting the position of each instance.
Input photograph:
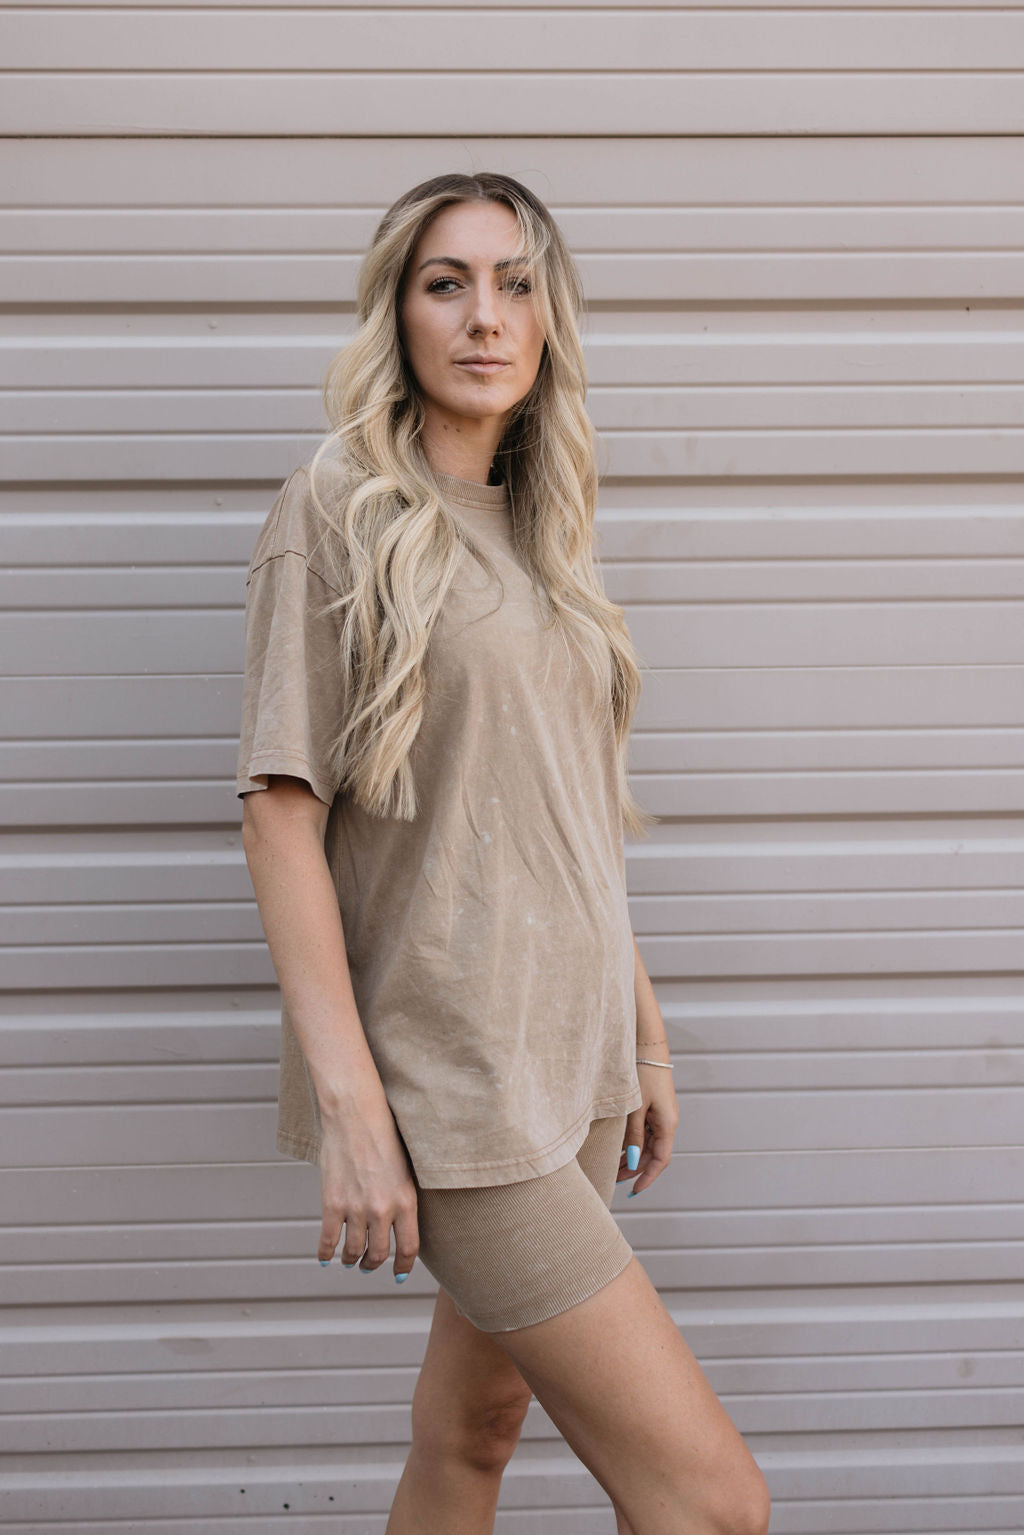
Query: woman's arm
(366, 1182)
(652, 1126)
(650, 1026)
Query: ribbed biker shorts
(519, 1253)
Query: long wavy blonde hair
(392, 544)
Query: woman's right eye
(432, 287)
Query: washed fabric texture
(489, 939)
(520, 1253)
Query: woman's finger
(407, 1241)
(330, 1235)
(657, 1156)
(632, 1143)
(378, 1240)
(355, 1241)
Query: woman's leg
(611, 1370)
(468, 1410)
(630, 1399)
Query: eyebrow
(463, 266)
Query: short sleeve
(293, 691)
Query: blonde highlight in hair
(392, 544)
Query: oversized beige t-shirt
(489, 939)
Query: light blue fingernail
(632, 1158)
(324, 1262)
(401, 1278)
(633, 1193)
(349, 1265)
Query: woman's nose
(484, 314)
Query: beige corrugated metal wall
(800, 231)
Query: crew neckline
(472, 493)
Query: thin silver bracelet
(642, 1060)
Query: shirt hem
(447, 1175)
(451, 1175)
(303, 1148)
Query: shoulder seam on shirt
(280, 553)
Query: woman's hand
(366, 1186)
(652, 1126)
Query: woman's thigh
(465, 1376)
(467, 1385)
(618, 1380)
(515, 1254)
(611, 1370)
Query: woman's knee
(756, 1507)
(743, 1504)
(480, 1433)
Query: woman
(437, 702)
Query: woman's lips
(482, 367)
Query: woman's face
(460, 303)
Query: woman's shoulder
(294, 524)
